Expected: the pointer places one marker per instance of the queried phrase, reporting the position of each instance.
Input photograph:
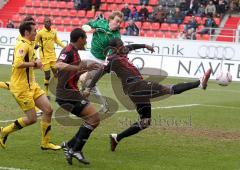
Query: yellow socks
(4, 85)
(17, 125)
(45, 128)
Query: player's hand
(39, 64)
(93, 66)
(150, 48)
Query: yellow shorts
(48, 65)
(26, 99)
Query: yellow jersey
(22, 78)
(19, 39)
(46, 40)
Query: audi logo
(138, 62)
(216, 52)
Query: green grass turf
(205, 136)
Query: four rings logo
(216, 52)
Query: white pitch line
(218, 106)
(10, 168)
(161, 107)
(120, 111)
(164, 107)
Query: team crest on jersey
(21, 51)
(62, 56)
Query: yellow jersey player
(5, 85)
(26, 91)
(46, 38)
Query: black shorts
(73, 106)
(142, 91)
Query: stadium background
(195, 130)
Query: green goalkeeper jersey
(101, 37)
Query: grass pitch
(194, 130)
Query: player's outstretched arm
(58, 41)
(36, 64)
(81, 68)
(132, 47)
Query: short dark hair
(25, 26)
(28, 18)
(76, 34)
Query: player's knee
(145, 123)
(48, 111)
(94, 121)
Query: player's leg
(86, 81)
(26, 103)
(4, 85)
(73, 148)
(42, 102)
(144, 111)
(202, 83)
(47, 76)
(148, 89)
(53, 69)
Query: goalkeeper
(104, 31)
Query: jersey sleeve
(19, 54)
(101, 23)
(58, 41)
(64, 57)
(132, 47)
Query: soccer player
(68, 96)
(6, 85)
(46, 38)
(105, 30)
(26, 91)
(140, 91)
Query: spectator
(159, 14)
(233, 4)
(134, 14)
(194, 5)
(181, 36)
(178, 16)
(191, 34)
(96, 4)
(184, 7)
(221, 8)
(204, 2)
(77, 4)
(192, 24)
(208, 25)
(171, 3)
(83, 4)
(210, 9)
(170, 16)
(10, 24)
(200, 11)
(143, 2)
(143, 13)
(132, 29)
(126, 12)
